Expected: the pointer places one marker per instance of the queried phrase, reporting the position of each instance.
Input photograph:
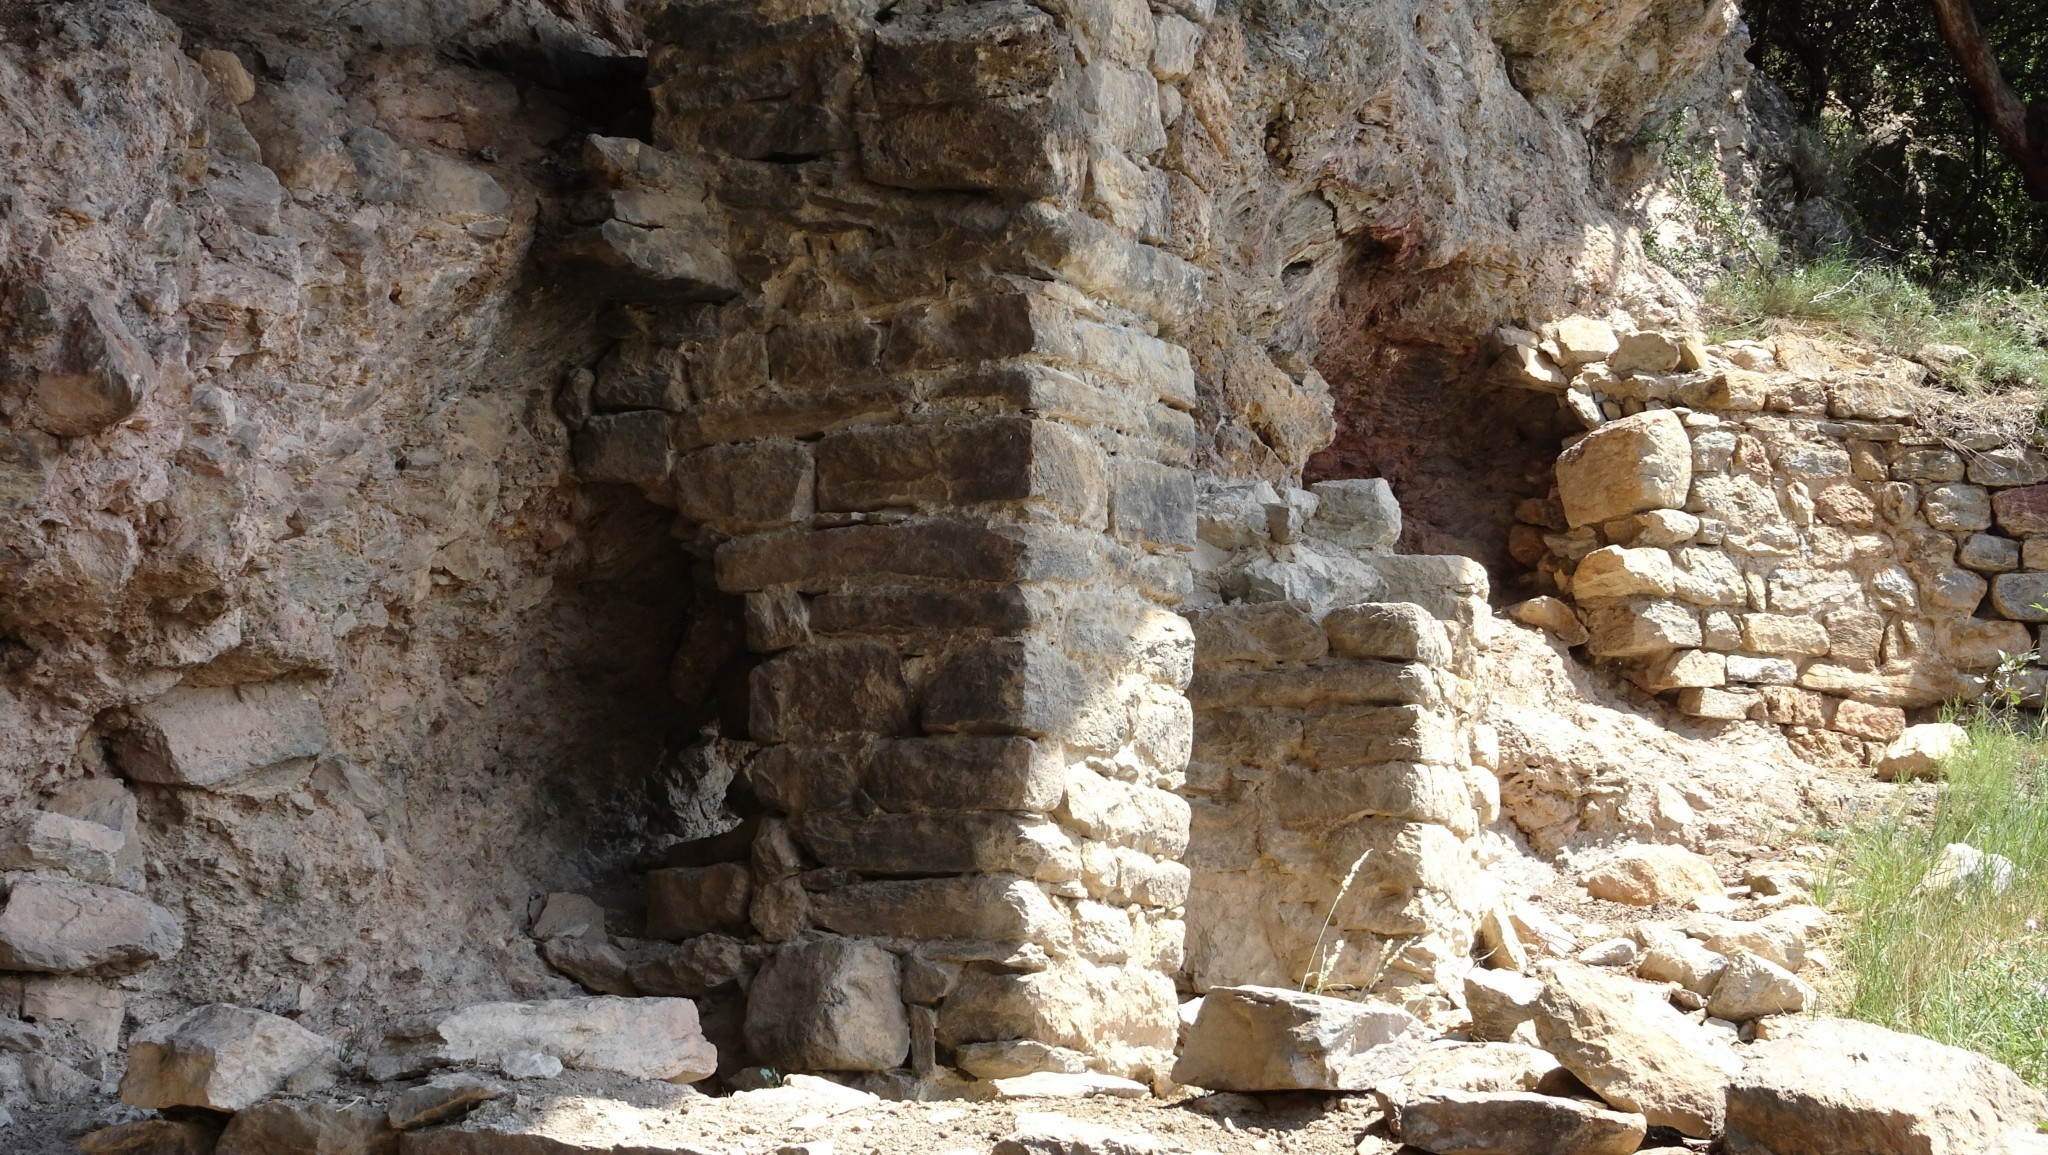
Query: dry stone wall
(1772, 531)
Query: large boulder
(1627, 1043)
(1836, 1085)
(1920, 751)
(1513, 1123)
(1646, 875)
(1270, 1039)
(1628, 466)
(645, 1038)
(56, 926)
(828, 1003)
(288, 1127)
(218, 1056)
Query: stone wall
(1774, 531)
(1337, 783)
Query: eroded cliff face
(288, 382)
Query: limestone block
(289, 1126)
(745, 488)
(1626, 1043)
(792, 778)
(937, 842)
(1731, 391)
(597, 966)
(55, 926)
(1614, 572)
(1845, 505)
(1525, 367)
(1007, 686)
(1646, 875)
(1449, 587)
(1358, 682)
(1877, 723)
(1309, 799)
(646, 1038)
(1670, 956)
(944, 465)
(1523, 1122)
(104, 375)
(1713, 450)
(220, 1057)
(1268, 1039)
(1396, 630)
(2022, 511)
(1980, 644)
(1919, 751)
(1125, 814)
(1986, 553)
(1791, 706)
(1653, 530)
(1854, 635)
(1583, 340)
(2008, 467)
(826, 690)
(625, 448)
(1076, 1005)
(1628, 466)
(992, 908)
(1685, 669)
(1552, 614)
(1649, 352)
(40, 839)
(440, 1099)
(1725, 705)
(92, 1010)
(1358, 511)
(691, 900)
(1098, 258)
(1841, 1085)
(695, 968)
(1784, 634)
(683, 260)
(212, 736)
(1641, 628)
(1152, 504)
(1870, 398)
(965, 772)
(1720, 630)
(155, 1137)
(573, 915)
(1500, 1001)
(1263, 632)
(1754, 986)
(1752, 670)
(1959, 507)
(1362, 735)
(2034, 553)
(1949, 588)
(2022, 597)
(828, 1003)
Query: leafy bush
(1968, 965)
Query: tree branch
(1996, 102)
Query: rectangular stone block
(1641, 628)
(754, 415)
(1684, 670)
(53, 925)
(624, 448)
(937, 842)
(745, 488)
(793, 778)
(2008, 467)
(1304, 798)
(2022, 597)
(965, 773)
(212, 736)
(1266, 633)
(1364, 735)
(1449, 587)
(1124, 813)
(939, 550)
(1726, 705)
(1980, 643)
(1877, 723)
(1014, 325)
(924, 610)
(684, 901)
(1078, 249)
(1401, 631)
(1753, 670)
(828, 690)
(1152, 504)
(1006, 686)
(944, 465)
(1254, 737)
(1353, 683)
(983, 907)
(1791, 706)
(1783, 634)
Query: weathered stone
(625, 448)
(1839, 1085)
(1393, 630)
(1583, 340)
(691, 900)
(1986, 553)
(689, 970)
(2022, 597)
(1877, 723)
(948, 465)
(1524, 367)
(92, 1011)
(828, 1004)
(1648, 352)
(829, 690)
(1152, 504)
(218, 1056)
(1756, 671)
(2022, 511)
(1262, 632)
(575, 915)
(1614, 572)
(1784, 634)
(1361, 736)
(213, 736)
(1788, 706)
(1919, 751)
(748, 488)
(1641, 628)
(105, 375)
(155, 1137)
(1646, 875)
(1925, 463)
(1513, 1123)
(1754, 986)
(1359, 512)
(991, 908)
(1008, 686)
(1670, 956)
(1266, 1039)
(440, 1099)
(647, 1038)
(1720, 705)
(53, 925)
(1066, 1085)
(1653, 530)
(289, 1127)
(85, 850)
(1627, 466)
(965, 772)
(1554, 615)
(1623, 1040)
(1500, 1001)
(599, 967)
(1685, 669)
(1955, 506)
(937, 842)
(1042, 1133)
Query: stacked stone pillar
(903, 365)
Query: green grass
(2005, 329)
(1968, 968)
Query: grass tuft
(1969, 968)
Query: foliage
(1720, 227)
(1968, 965)
(1890, 133)
(2004, 329)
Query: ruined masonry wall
(917, 405)
(1768, 531)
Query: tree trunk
(1994, 98)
